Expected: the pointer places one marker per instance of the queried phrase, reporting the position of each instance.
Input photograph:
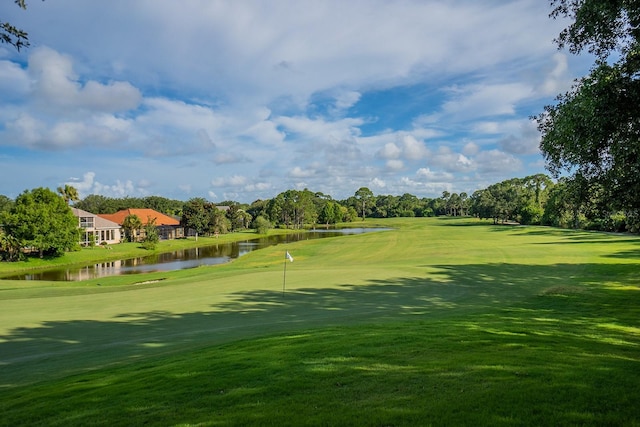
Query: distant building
(97, 230)
(168, 227)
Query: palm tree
(9, 247)
(131, 224)
(68, 193)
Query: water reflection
(181, 259)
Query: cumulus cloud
(88, 185)
(407, 184)
(298, 172)
(428, 174)
(56, 86)
(408, 148)
(377, 183)
(413, 149)
(451, 161)
(101, 131)
(390, 151)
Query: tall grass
(438, 322)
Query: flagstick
(284, 279)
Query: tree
(195, 215)
(484, 205)
(330, 213)
(12, 35)
(238, 217)
(5, 204)
(68, 193)
(218, 222)
(164, 205)
(594, 129)
(454, 203)
(131, 224)
(42, 220)
(10, 248)
(261, 225)
(364, 197)
(464, 203)
(565, 205)
(151, 237)
(97, 204)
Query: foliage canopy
(41, 219)
(593, 132)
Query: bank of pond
(180, 259)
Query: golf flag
(289, 257)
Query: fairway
(439, 320)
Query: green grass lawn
(437, 322)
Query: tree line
(42, 221)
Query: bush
(261, 225)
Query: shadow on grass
(473, 344)
(631, 254)
(53, 349)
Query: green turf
(440, 321)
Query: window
(86, 222)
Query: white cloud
(88, 185)
(558, 80)
(408, 148)
(346, 100)
(14, 82)
(428, 174)
(227, 158)
(390, 151)
(57, 86)
(413, 149)
(447, 159)
(470, 149)
(254, 98)
(486, 100)
(395, 165)
(377, 183)
(526, 142)
(498, 162)
(232, 181)
(298, 172)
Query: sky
(244, 99)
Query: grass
(438, 322)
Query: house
(96, 230)
(168, 227)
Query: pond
(182, 259)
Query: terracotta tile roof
(143, 214)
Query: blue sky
(241, 100)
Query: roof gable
(143, 214)
(98, 221)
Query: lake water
(182, 259)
